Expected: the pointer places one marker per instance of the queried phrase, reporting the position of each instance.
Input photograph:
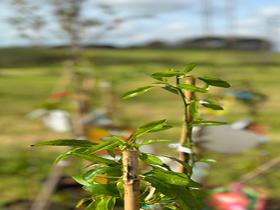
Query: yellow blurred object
(94, 134)
(101, 180)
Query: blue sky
(167, 20)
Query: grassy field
(28, 76)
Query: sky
(165, 20)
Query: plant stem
(131, 180)
(186, 132)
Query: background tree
(28, 20)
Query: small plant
(184, 85)
(118, 178)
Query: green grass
(28, 76)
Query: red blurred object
(59, 95)
(237, 196)
(228, 201)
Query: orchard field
(28, 76)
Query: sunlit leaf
(93, 158)
(188, 68)
(82, 201)
(153, 141)
(167, 73)
(137, 92)
(103, 146)
(210, 105)
(170, 177)
(215, 82)
(150, 159)
(109, 189)
(151, 127)
(66, 142)
(207, 123)
(103, 170)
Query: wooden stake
(260, 170)
(131, 180)
(186, 132)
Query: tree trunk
(131, 180)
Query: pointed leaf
(120, 186)
(93, 158)
(167, 73)
(103, 146)
(82, 201)
(103, 170)
(152, 141)
(66, 142)
(137, 92)
(215, 82)
(107, 203)
(151, 127)
(207, 123)
(171, 89)
(169, 177)
(211, 105)
(191, 88)
(150, 159)
(109, 189)
(69, 153)
(79, 179)
(189, 67)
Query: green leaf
(167, 73)
(137, 92)
(191, 88)
(93, 158)
(69, 153)
(207, 123)
(209, 104)
(215, 82)
(103, 170)
(103, 146)
(79, 179)
(169, 177)
(109, 189)
(105, 203)
(153, 141)
(160, 78)
(180, 194)
(120, 186)
(82, 201)
(188, 68)
(66, 142)
(150, 159)
(154, 126)
(186, 166)
(171, 89)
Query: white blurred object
(227, 140)
(97, 117)
(174, 165)
(57, 120)
(147, 149)
(200, 171)
(180, 148)
(37, 113)
(241, 124)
